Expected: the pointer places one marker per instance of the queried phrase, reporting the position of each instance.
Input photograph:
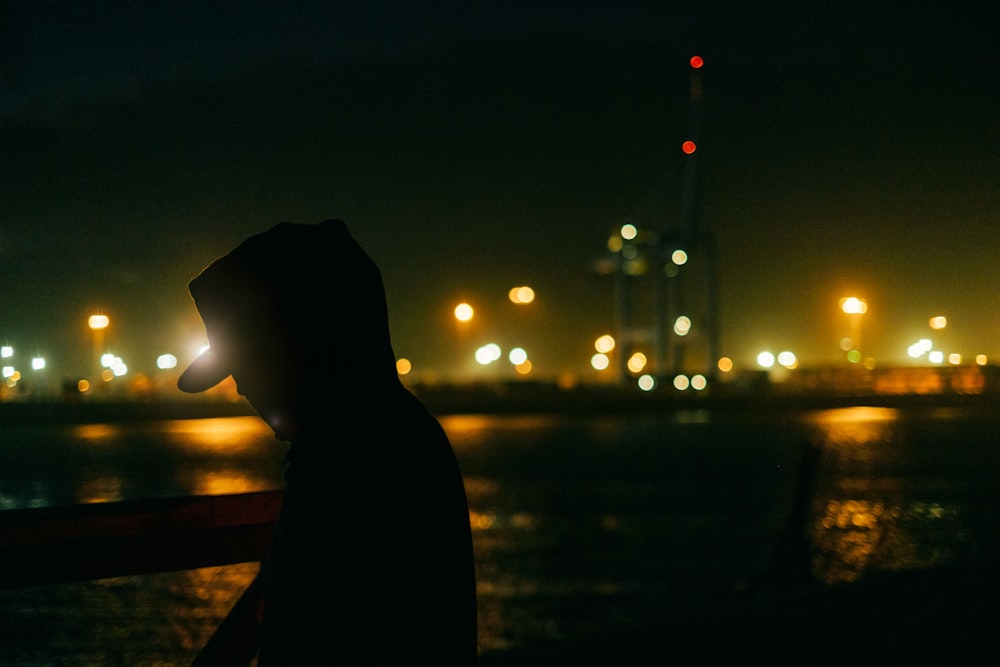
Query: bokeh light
(463, 312)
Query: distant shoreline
(500, 399)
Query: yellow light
(938, 322)
(681, 382)
(852, 305)
(521, 295)
(463, 312)
(604, 344)
(629, 231)
(83, 385)
(954, 358)
(725, 364)
(97, 322)
(403, 366)
(981, 359)
(524, 368)
(682, 326)
(637, 362)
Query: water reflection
(867, 517)
(230, 435)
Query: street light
(854, 308)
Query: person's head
(297, 316)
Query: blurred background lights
(403, 366)
(166, 362)
(938, 322)
(637, 362)
(954, 358)
(681, 382)
(517, 356)
(725, 365)
(935, 356)
(629, 231)
(981, 359)
(765, 359)
(38, 363)
(6, 352)
(647, 382)
(688, 147)
(98, 322)
(521, 295)
(682, 325)
(852, 305)
(788, 359)
(600, 361)
(699, 382)
(488, 353)
(8, 372)
(604, 344)
(463, 312)
(697, 62)
(679, 257)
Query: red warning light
(697, 62)
(688, 147)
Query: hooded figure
(372, 556)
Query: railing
(56, 545)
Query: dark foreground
(937, 617)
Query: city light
(403, 366)
(765, 359)
(6, 352)
(629, 231)
(166, 362)
(682, 382)
(600, 361)
(604, 344)
(647, 382)
(38, 363)
(637, 362)
(679, 257)
(725, 364)
(463, 312)
(938, 322)
(488, 353)
(98, 322)
(682, 326)
(852, 305)
(689, 147)
(521, 295)
(697, 62)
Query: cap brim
(204, 373)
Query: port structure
(670, 266)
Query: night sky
(474, 147)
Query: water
(619, 534)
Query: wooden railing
(56, 545)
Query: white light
(698, 382)
(681, 382)
(604, 344)
(765, 359)
(8, 371)
(647, 382)
(488, 353)
(935, 356)
(600, 361)
(38, 363)
(629, 231)
(788, 359)
(682, 325)
(166, 361)
(6, 352)
(679, 257)
(517, 356)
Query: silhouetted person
(372, 559)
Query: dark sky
(473, 147)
